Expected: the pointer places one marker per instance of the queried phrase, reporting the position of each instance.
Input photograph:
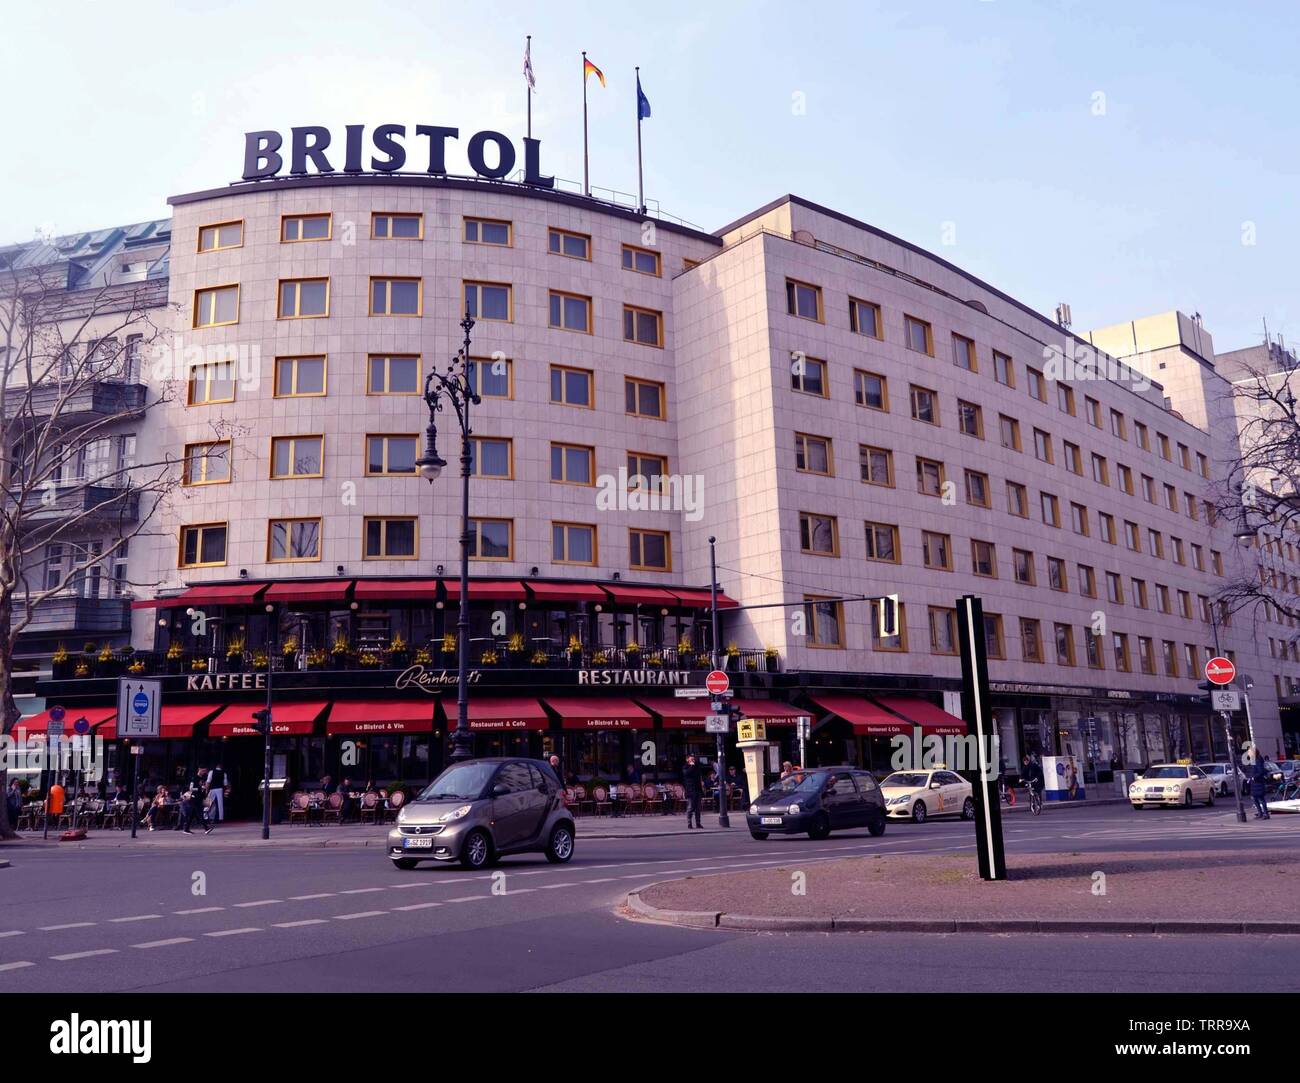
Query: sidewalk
(1191, 891)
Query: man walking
(216, 791)
(692, 788)
(192, 806)
(1259, 785)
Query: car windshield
(1166, 772)
(800, 780)
(1211, 768)
(464, 782)
(909, 779)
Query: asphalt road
(214, 918)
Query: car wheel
(405, 862)
(968, 809)
(476, 853)
(1187, 797)
(559, 847)
(1209, 798)
(877, 826)
(821, 827)
(1137, 808)
(919, 812)
(760, 835)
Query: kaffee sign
(265, 152)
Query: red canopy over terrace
(324, 590)
(489, 591)
(395, 590)
(567, 592)
(700, 599)
(501, 713)
(380, 716)
(624, 595)
(287, 719)
(599, 713)
(866, 717)
(678, 713)
(105, 718)
(925, 714)
(205, 594)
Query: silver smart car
(479, 810)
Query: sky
(1124, 157)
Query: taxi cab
(1171, 784)
(918, 795)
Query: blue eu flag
(642, 102)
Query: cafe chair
(332, 809)
(633, 798)
(396, 800)
(370, 810)
(581, 803)
(300, 808)
(600, 799)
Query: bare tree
(72, 389)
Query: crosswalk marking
(165, 943)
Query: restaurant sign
(433, 681)
(657, 677)
(225, 682)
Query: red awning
(700, 599)
(324, 590)
(642, 596)
(381, 716)
(864, 715)
(771, 712)
(925, 714)
(105, 718)
(567, 592)
(395, 590)
(486, 591)
(291, 719)
(599, 713)
(203, 594)
(502, 713)
(675, 713)
(178, 722)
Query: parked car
(479, 810)
(1171, 784)
(818, 801)
(1221, 775)
(918, 795)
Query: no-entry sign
(1220, 671)
(717, 682)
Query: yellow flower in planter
(423, 657)
(600, 658)
(199, 665)
(60, 654)
(174, 651)
(449, 644)
(135, 667)
(488, 658)
(538, 658)
(516, 642)
(575, 644)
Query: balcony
(72, 616)
(85, 404)
(91, 505)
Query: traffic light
(734, 714)
(1205, 686)
(262, 721)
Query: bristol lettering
(491, 154)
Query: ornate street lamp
(454, 388)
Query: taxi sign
(751, 729)
(1220, 671)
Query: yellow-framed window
(647, 471)
(813, 454)
(216, 306)
(396, 226)
(493, 301)
(211, 383)
(650, 550)
(202, 545)
(564, 242)
(396, 296)
(390, 537)
(207, 463)
(642, 260)
(573, 464)
(643, 326)
(864, 318)
(492, 457)
(573, 543)
(645, 398)
(573, 387)
(492, 377)
(570, 312)
(491, 539)
(221, 235)
(305, 227)
(392, 455)
(882, 543)
(303, 298)
(804, 300)
(392, 374)
(824, 620)
(493, 231)
(819, 535)
(918, 335)
(297, 457)
(293, 540)
(300, 377)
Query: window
(1148, 489)
(1079, 519)
(983, 558)
(1017, 500)
(978, 491)
(1162, 441)
(1189, 506)
(1093, 648)
(1216, 561)
(1065, 398)
(825, 621)
(1087, 578)
(643, 325)
(641, 260)
(1125, 478)
(943, 630)
(489, 301)
(1184, 457)
(570, 312)
(572, 387)
(993, 643)
(1146, 656)
(1185, 604)
(1037, 385)
(1063, 635)
(391, 455)
(1106, 523)
(819, 534)
(812, 454)
(1073, 457)
(1117, 426)
(644, 398)
(937, 549)
(214, 382)
(646, 471)
(1056, 577)
(1093, 410)
(1131, 536)
(203, 545)
(1100, 470)
(963, 353)
(574, 245)
(888, 643)
(1162, 598)
(1114, 588)
(573, 543)
(1043, 445)
(1171, 498)
(221, 235)
(488, 231)
(876, 465)
(1179, 556)
(491, 457)
(970, 419)
(918, 335)
(1138, 588)
(870, 390)
(1203, 465)
(882, 543)
(808, 375)
(304, 298)
(216, 306)
(803, 300)
(389, 538)
(1031, 640)
(1140, 434)
(293, 539)
(299, 377)
(929, 476)
(650, 550)
(925, 405)
(304, 227)
(1009, 432)
(393, 374)
(491, 539)
(1004, 370)
(573, 464)
(396, 227)
(297, 456)
(1155, 543)
(1171, 657)
(1022, 563)
(864, 318)
(1198, 557)
(1051, 509)
(207, 464)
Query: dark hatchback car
(480, 810)
(818, 800)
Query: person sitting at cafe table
(159, 805)
(351, 803)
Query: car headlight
(793, 810)
(899, 800)
(455, 814)
(1135, 788)
(753, 810)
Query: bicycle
(1035, 798)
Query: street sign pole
(1219, 672)
(979, 722)
(723, 819)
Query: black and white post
(976, 711)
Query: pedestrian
(1259, 786)
(216, 790)
(787, 769)
(739, 781)
(14, 802)
(192, 807)
(559, 771)
(351, 806)
(692, 789)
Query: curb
(4, 864)
(713, 919)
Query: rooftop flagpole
(640, 178)
(529, 81)
(586, 180)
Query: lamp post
(265, 721)
(453, 388)
(723, 819)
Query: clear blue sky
(979, 113)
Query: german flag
(588, 68)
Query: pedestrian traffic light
(262, 721)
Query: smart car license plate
(776, 820)
(417, 844)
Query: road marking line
(259, 902)
(519, 890)
(360, 890)
(418, 883)
(418, 906)
(299, 924)
(15, 966)
(360, 914)
(232, 932)
(200, 910)
(602, 880)
(165, 943)
(551, 887)
(137, 917)
(11, 932)
(303, 898)
(70, 925)
(83, 954)
(467, 898)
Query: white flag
(528, 66)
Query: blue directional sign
(82, 725)
(57, 714)
(139, 708)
